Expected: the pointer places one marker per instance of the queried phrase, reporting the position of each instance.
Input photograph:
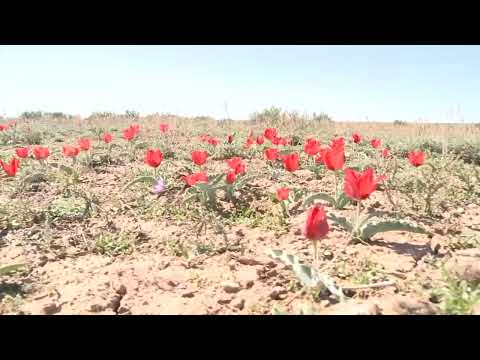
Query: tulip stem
(315, 254)
(357, 218)
(335, 184)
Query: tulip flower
(237, 165)
(416, 158)
(70, 151)
(199, 157)
(291, 162)
(375, 143)
(41, 152)
(356, 138)
(316, 227)
(312, 147)
(282, 194)
(84, 144)
(271, 154)
(231, 176)
(153, 157)
(107, 138)
(21, 152)
(195, 178)
(359, 186)
(11, 167)
(164, 128)
(270, 133)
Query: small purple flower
(159, 186)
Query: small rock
(230, 287)
(224, 300)
(121, 290)
(327, 254)
(188, 294)
(172, 283)
(114, 302)
(435, 245)
(404, 306)
(123, 310)
(97, 308)
(232, 264)
(272, 273)
(240, 233)
(353, 309)
(277, 293)
(239, 304)
(51, 308)
(260, 260)
(298, 231)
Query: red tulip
(316, 226)
(276, 140)
(22, 152)
(312, 147)
(282, 194)
(249, 142)
(270, 133)
(237, 165)
(271, 154)
(129, 134)
(231, 176)
(40, 152)
(356, 138)
(10, 168)
(135, 129)
(153, 157)
(3, 127)
(291, 162)
(334, 155)
(196, 178)
(386, 153)
(260, 140)
(213, 141)
(416, 158)
(230, 139)
(70, 151)
(204, 138)
(84, 144)
(199, 157)
(164, 128)
(107, 138)
(375, 143)
(359, 186)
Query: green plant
(339, 202)
(308, 276)
(5, 270)
(364, 227)
(426, 186)
(206, 193)
(112, 245)
(69, 208)
(457, 297)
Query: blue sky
(383, 83)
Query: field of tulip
(169, 215)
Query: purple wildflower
(159, 186)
